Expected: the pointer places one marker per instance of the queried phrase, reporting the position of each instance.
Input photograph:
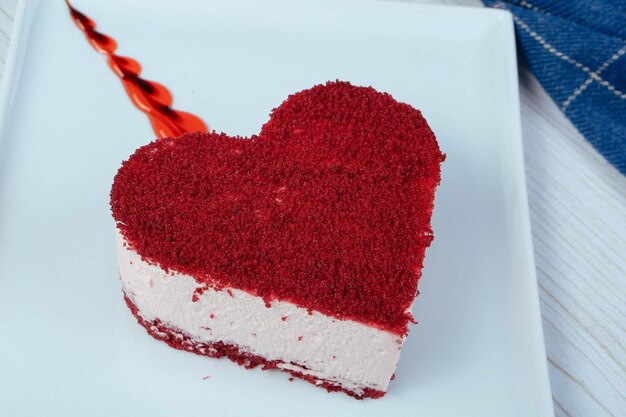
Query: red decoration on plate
(150, 97)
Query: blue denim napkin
(577, 51)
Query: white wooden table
(578, 216)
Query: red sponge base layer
(179, 340)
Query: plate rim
(9, 86)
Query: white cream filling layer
(347, 353)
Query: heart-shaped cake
(298, 249)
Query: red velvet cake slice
(298, 249)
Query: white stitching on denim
(612, 59)
(595, 76)
(592, 74)
(576, 93)
(549, 47)
(611, 88)
(531, 6)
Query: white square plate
(70, 347)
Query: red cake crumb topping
(328, 207)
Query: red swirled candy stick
(152, 98)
